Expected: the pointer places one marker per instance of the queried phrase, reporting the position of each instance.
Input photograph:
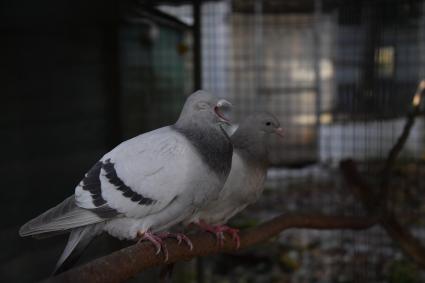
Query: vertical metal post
(112, 56)
(197, 72)
(197, 44)
(372, 26)
(317, 73)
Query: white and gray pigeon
(246, 179)
(146, 184)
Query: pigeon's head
(252, 135)
(266, 123)
(204, 107)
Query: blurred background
(78, 77)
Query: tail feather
(61, 218)
(78, 240)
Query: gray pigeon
(246, 179)
(146, 184)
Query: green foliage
(402, 271)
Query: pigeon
(146, 184)
(246, 179)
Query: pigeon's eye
(202, 105)
(268, 123)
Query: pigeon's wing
(138, 177)
(141, 176)
(59, 219)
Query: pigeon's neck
(211, 142)
(252, 147)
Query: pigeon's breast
(245, 182)
(213, 147)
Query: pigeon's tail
(78, 240)
(59, 219)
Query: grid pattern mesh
(339, 75)
(341, 79)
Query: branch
(375, 203)
(123, 264)
(364, 193)
(360, 188)
(408, 243)
(398, 146)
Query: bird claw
(219, 231)
(156, 240)
(180, 237)
(220, 239)
(235, 235)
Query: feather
(79, 239)
(64, 216)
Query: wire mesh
(340, 76)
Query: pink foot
(212, 229)
(180, 237)
(155, 240)
(234, 233)
(218, 231)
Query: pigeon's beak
(223, 110)
(280, 132)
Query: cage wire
(339, 75)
